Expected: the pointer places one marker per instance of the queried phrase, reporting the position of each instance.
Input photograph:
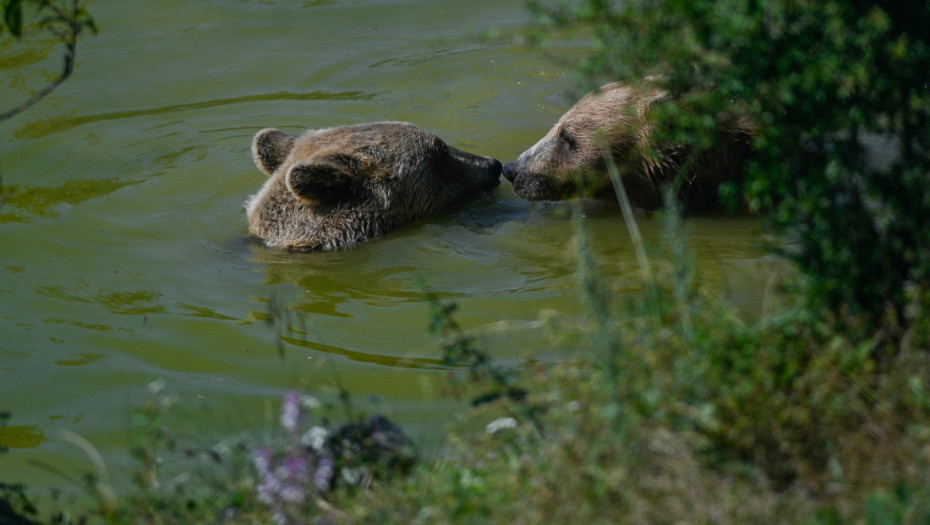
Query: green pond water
(124, 259)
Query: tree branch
(69, 36)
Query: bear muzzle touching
(540, 173)
(333, 188)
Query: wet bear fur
(333, 188)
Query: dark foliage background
(821, 80)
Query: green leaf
(13, 17)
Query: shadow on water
(291, 325)
(21, 436)
(46, 127)
(418, 363)
(44, 200)
(429, 58)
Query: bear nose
(496, 167)
(508, 172)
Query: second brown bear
(571, 157)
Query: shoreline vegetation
(679, 411)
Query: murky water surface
(123, 254)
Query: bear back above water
(335, 187)
(614, 119)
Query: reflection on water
(45, 201)
(82, 359)
(79, 324)
(21, 436)
(123, 250)
(364, 357)
(57, 125)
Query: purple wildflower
(291, 476)
(267, 483)
(290, 411)
(324, 473)
(261, 458)
(296, 467)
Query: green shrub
(683, 412)
(820, 79)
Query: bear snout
(483, 171)
(508, 172)
(494, 178)
(496, 168)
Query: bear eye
(567, 139)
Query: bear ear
(269, 149)
(322, 181)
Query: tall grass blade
(636, 237)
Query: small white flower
(223, 448)
(499, 424)
(469, 480)
(292, 494)
(268, 490)
(314, 438)
(281, 473)
(262, 460)
(168, 400)
(350, 475)
(157, 386)
(310, 402)
(264, 495)
(572, 406)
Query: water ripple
(409, 362)
(49, 126)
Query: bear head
(332, 188)
(572, 154)
(571, 159)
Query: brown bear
(335, 187)
(571, 157)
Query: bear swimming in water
(335, 187)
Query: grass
(681, 412)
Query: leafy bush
(682, 412)
(821, 79)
